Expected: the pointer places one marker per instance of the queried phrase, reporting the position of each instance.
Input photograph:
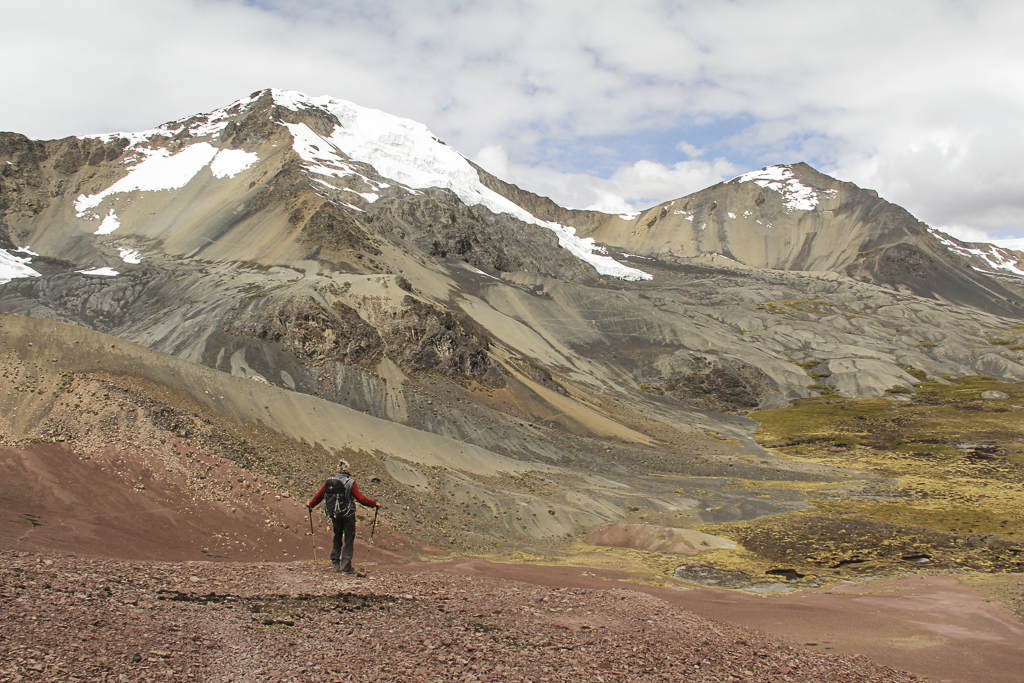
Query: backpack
(338, 500)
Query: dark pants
(344, 531)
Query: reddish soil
(931, 625)
(114, 506)
(69, 618)
(99, 554)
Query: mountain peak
(787, 180)
(357, 151)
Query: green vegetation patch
(795, 306)
(943, 487)
(835, 542)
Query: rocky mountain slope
(342, 278)
(794, 218)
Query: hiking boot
(360, 574)
(336, 566)
(347, 572)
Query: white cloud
(650, 180)
(918, 99)
(965, 233)
(691, 151)
(636, 186)
(970, 234)
(494, 159)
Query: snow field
(12, 267)
(105, 271)
(160, 170)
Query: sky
(611, 105)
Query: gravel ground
(74, 618)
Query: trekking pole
(312, 533)
(372, 529)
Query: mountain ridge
(240, 123)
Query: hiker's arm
(363, 500)
(318, 497)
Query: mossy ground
(945, 485)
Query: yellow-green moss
(934, 493)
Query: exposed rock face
(716, 384)
(429, 338)
(783, 217)
(313, 334)
(438, 224)
(20, 177)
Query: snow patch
(307, 145)
(12, 267)
(129, 255)
(158, 171)
(370, 197)
(716, 255)
(486, 275)
(328, 161)
(732, 215)
(109, 224)
(230, 162)
(408, 153)
(25, 250)
(795, 195)
(105, 271)
(630, 216)
(997, 258)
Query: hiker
(340, 494)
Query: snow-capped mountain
(361, 160)
(287, 224)
(351, 155)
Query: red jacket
(363, 500)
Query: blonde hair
(343, 466)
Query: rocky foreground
(72, 618)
